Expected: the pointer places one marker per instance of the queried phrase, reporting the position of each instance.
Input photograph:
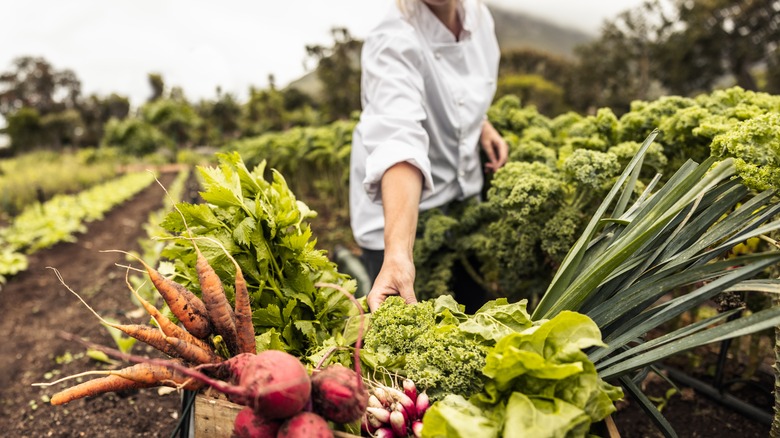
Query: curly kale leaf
(755, 146)
(395, 327)
(446, 362)
(437, 357)
(533, 152)
(597, 132)
(591, 169)
(525, 188)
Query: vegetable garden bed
(501, 370)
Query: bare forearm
(401, 190)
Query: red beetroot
(276, 385)
(305, 425)
(250, 425)
(273, 383)
(229, 370)
(338, 394)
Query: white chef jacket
(424, 96)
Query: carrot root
(166, 325)
(93, 387)
(219, 311)
(186, 306)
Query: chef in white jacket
(429, 73)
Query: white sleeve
(391, 121)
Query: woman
(429, 73)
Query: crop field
(38, 308)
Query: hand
(395, 278)
(494, 146)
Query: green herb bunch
(266, 229)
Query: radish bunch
(395, 413)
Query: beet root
(250, 425)
(305, 425)
(338, 394)
(273, 383)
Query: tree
(96, 111)
(34, 83)
(220, 117)
(62, 128)
(264, 111)
(338, 68)
(709, 39)
(176, 119)
(24, 129)
(615, 69)
(134, 136)
(157, 84)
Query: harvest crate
(214, 417)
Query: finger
(374, 301)
(503, 153)
(409, 297)
(491, 154)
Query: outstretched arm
(401, 191)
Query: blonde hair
(410, 7)
(407, 7)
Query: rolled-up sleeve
(390, 127)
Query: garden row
(41, 225)
(37, 176)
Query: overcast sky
(200, 44)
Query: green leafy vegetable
(266, 230)
(538, 381)
(423, 345)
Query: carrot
(191, 352)
(212, 292)
(97, 386)
(245, 330)
(158, 375)
(188, 308)
(149, 335)
(166, 325)
(274, 383)
(219, 311)
(142, 373)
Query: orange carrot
(166, 325)
(152, 374)
(97, 386)
(219, 311)
(191, 352)
(186, 306)
(245, 329)
(144, 333)
(157, 375)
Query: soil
(35, 307)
